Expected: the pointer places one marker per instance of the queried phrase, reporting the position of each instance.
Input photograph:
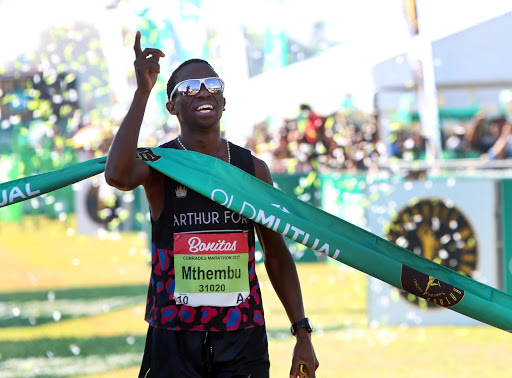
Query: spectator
(397, 144)
(309, 124)
(481, 138)
(502, 149)
(456, 145)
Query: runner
(204, 306)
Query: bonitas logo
(197, 245)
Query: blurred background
(393, 115)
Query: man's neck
(205, 142)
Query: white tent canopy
(477, 56)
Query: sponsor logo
(147, 154)
(430, 288)
(181, 192)
(9, 197)
(439, 231)
(195, 245)
(272, 220)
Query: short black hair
(173, 79)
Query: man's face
(203, 110)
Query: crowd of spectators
(345, 140)
(348, 140)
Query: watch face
(437, 230)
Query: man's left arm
(283, 275)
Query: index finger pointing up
(136, 45)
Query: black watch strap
(304, 323)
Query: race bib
(211, 269)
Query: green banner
(322, 232)
(32, 186)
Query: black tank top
(190, 227)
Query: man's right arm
(123, 170)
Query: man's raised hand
(146, 65)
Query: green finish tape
(307, 225)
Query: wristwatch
(304, 323)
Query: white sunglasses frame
(201, 82)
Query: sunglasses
(192, 87)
